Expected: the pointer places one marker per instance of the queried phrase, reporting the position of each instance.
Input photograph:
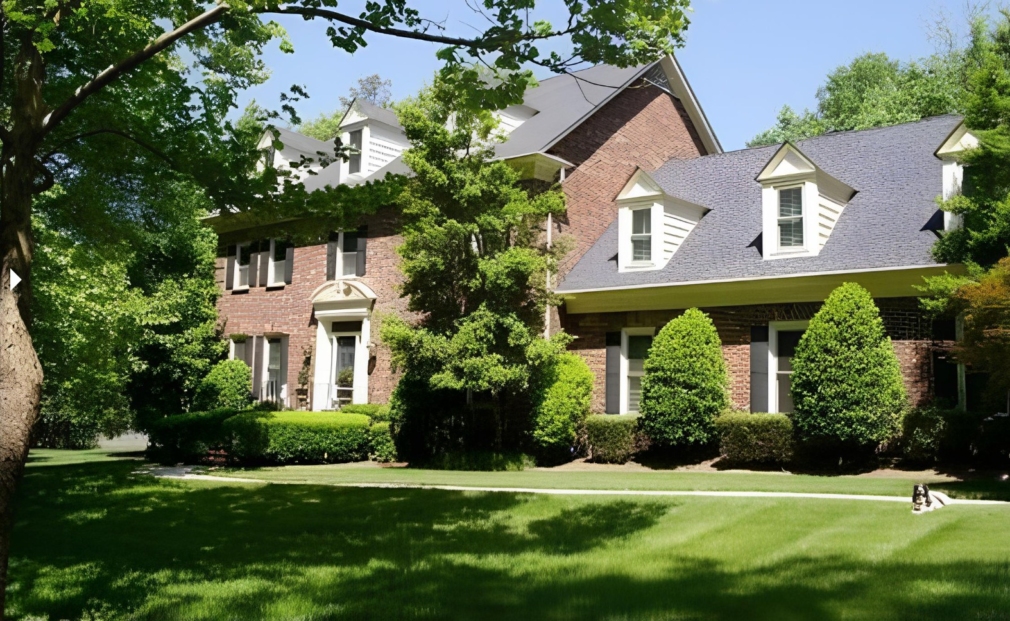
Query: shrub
(846, 384)
(381, 446)
(228, 385)
(484, 461)
(685, 383)
(924, 431)
(612, 439)
(188, 437)
(299, 437)
(755, 438)
(376, 411)
(564, 396)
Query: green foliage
(612, 439)
(565, 394)
(188, 437)
(790, 127)
(381, 446)
(298, 437)
(481, 461)
(372, 89)
(685, 385)
(376, 411)
(755, 438)
(847, 386)
(228, 385)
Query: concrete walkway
(184, 473)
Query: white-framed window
(239, 350)
(243, 256)
(277, 265)
(345, 258)
(790, 217)
(355, 142)
(348, 253)
(274, 382)
(635, 344)
(641, 235)
(783, 337)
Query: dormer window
(791, 217)
(641, 235)
(355, 143)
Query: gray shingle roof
(893, 169)
(372, 111)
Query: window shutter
(362, 236)
(289, 263)
(264, 259)
(331, 257)
(229, 272)
(257, 366)
(613, 373)
(254, 264)
(759, 369)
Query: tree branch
(4, 134)
(111, 74)
(116, 132)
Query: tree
(475, 267)
(146, 113)
(874, 91)
(685, 385)
(372, 89)
(847, 388)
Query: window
(349, 255)
(787, 342)
(345, 254)
(354, 165)
(638, 350)
(278, 262)
(274, 380)
(243, 255)
(641, 235)
(343, 370)
(790, 220)
(239, 351)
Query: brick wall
(909, 329)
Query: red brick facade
(909, 329)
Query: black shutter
(759, 369)
(289, 263)
(264, 259)
(362, 236)
(257, 367)
(254, 264)
(331, 257)
(229, 272)
(613, 373)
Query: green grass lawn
(95, 540)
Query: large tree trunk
(20, 371)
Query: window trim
(238, 267)
(779, 218)
(625, 364)
(338, 259)
(275, 274)
(282, 389)
(356, 151)
(640, 236)
(774, 327)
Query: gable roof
(371, 111)
(893, 169)
(299, 142)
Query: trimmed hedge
(188, 437)
(685, 384)
(378, 412)
(755, 438)
(612, 438)
(227, 385)
(299, 437)
(846, 383)
(564, 396)
(381, 447)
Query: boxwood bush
(847, 387)
(381, 447)
(299, 437)
(612, 438)
(188, 437)
(685, 385)
(227, 385)
(563, 399)
(755, 438)
(378, 412)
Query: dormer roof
(790, 164)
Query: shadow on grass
(95, 540)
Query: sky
(744, 58)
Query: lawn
(95, 540)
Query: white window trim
(238, 268)
(650, 235)
(625, 370)
(275, 279)
(774, 327)
(625, 226)
(770, 200)
(325, 354)
(339, 260)
(231, 347)
(265, 368)
(345, 137)
(779, 217)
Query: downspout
(550, 227)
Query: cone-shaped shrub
(685, 383)
(846, 384)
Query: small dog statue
(922, 501)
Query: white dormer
(959, 141)
(374, 137)
(651, 224)
(300, 154)
(512, 117)
(800, 205)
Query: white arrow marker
(15, 280)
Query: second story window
(277, 267)
(641, 235)
(345, 254)
(243, 256)
(354, 165)
(790, 218)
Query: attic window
(354, 166)
(790, 218)
(641, 234)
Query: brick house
(306, 318)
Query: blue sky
(744, 58)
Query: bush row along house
(662, 219)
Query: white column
(321, 358)
(360, 393)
